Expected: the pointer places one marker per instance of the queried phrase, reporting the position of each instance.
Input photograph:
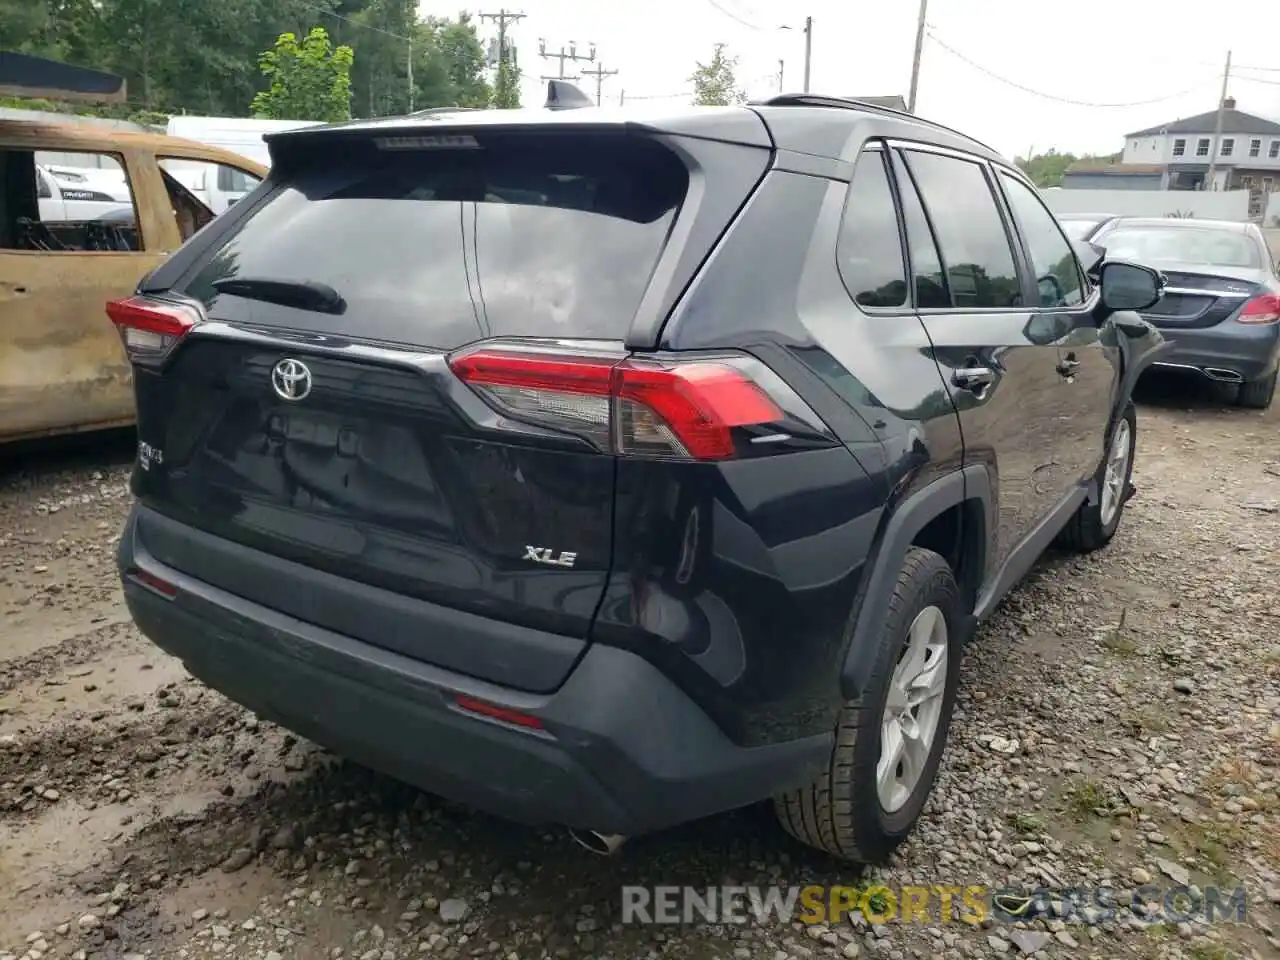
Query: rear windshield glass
(537, 236)
(1207, 246)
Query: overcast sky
(1096, 52)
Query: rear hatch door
(314, 416)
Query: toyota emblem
(291, 379)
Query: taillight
(1264, 308)
(151, 328)
(684, 409)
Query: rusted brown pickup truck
(84, 214)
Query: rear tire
(1094, 524)
(1257, 394)
(844, 811)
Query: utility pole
(781, 74)
(915, 59)
(503, 17)
(571, 55)
(599, 73)
(1217, 125)
(808, 50)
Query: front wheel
(1094, 524)
(888, 747)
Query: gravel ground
(1119, 725)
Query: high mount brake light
(151, 328)
(1264, 308)
(681, 409)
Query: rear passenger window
(1057, 274)
(926, 266)
(971, 234)
(869, 249)
(65, 202)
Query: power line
(1238, 66)
(1270, 83)
(733, 16)
(1049, 96)
(354, 23)
(408, 63)
(625, 97)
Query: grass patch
(1118, 639)
(1210, 951)
(1119, 643)
(1147, 722)
(1025, 825)
(1215, 844)
(1086, 799)
(1242, 773)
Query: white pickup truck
(71, 194)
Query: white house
(1247, 154)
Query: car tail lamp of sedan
(150, 329)
(1264, 308)
(699, 409)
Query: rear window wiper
(303, 294)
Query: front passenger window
(1058, 281)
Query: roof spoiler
(562, 95)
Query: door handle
(973, 378)
(1068, 367)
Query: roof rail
(848, 103)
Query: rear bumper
(1250, 351)
(623, 750)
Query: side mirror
(1129, 286)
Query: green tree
(310, 80)
(384, 35)
(715, 83)
(460, 54)
(202, 56)
(24, 23)
(1046, 169)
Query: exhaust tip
(1222, 376)
(601, 844)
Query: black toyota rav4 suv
(611, 469)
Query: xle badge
(546, 556)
